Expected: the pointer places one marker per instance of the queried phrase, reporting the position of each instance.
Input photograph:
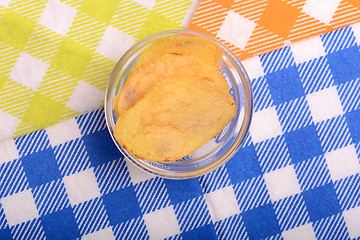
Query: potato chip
(165, 66)
(177, 115)
(205, 49)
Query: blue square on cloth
(26, 229)
(277, 60)
(121, 230)
(321, 202)
(315, 75)
(60, 225)
(244, 165)
(231, 228)
(5, 234)
(100, 148)
(32, 142)
(303, 144)
(215, 180)
(12, 178)
(353, 121)
(312, 173)
(348, 58)
(50, 197)
(112, 176)
(188, 218)
(333, 133)
(332, 227)
(294, 115)
(3, 221)
(40, 167)
(338, 40)
(204, 232)
(152, 195)
(91, 122)
(121, 205)
(261, 92)
(251, 193)
(261, 222)
(71, 157)
(285, 85)
(349, 95)
(273, 154)
(180, 191)
(90, 216)
(291, 212)
(347, 190)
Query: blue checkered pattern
(300, 181)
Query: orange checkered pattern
(254, 27)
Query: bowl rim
(235, 146)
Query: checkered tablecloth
(53, 53)
(297, 176)
(254, 27)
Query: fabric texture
(253, 27)
(55, 53)
(297, 176)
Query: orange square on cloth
(279, 17)
(254, 27)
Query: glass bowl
(217, 151)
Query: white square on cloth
(352, 220)
(300, 233)
(81, 187)
(307, 49)
(149, 4)
(324, 104)
(322, 10)
(29, 71)
(253, 67)
(114, 43)
(222, 203)
(162, 223)
(8, 125)
(63, 132)
(236, 29)
(265, 125)
(80, 100)
(137, 175)
(19, 207)
(282, 183)
(342, 162)
(57, 16)
(356, 30)
(8, 151)
(103, 234)
(5, 3)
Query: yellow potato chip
(205, 49)
(178, 115)
(163, 67)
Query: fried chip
(163, 67)
(205, 49)
(177, 115)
